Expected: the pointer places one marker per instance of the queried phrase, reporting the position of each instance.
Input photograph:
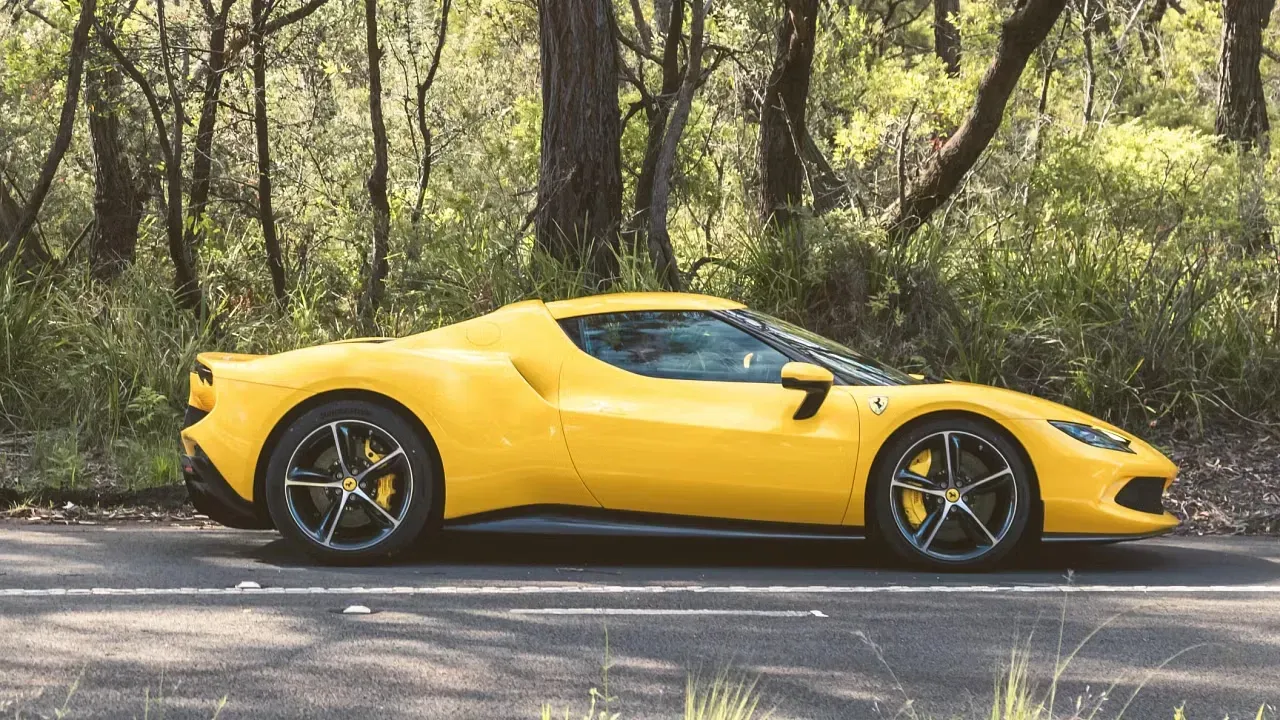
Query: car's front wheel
(952, 494)
(350, 482)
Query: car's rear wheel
(952, 494)
(350, 482)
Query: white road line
(588, 589)
(652, 611)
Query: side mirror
(813, 380)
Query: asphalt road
(494, 628)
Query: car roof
(633, 302)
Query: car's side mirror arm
(813, 380)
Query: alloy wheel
(954, 496)
(348, 485)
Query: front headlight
(1096, 437)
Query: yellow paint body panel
(1078, 483)
(721, 449)
(632, 302)
(520, 416)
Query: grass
(1016, 696)
(726, 696)
(1017, 693)
(63, 460)
(154, 706)
(735, 695)
(1125, 294)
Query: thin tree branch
(638, 48)
(292, 17)
(148, 92)
(902, 155)
(66, 120)
(642, 27)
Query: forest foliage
(1107, 242)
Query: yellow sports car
(649, 414)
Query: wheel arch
(315, 401)
(1035, 523)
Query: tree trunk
(1088, 8)
(377, 182)
(186, 286)
(782, 113)
(9, 209)
(1242, 104)
(202, 158)
(662, 10)
(660, 248)
(117, 209)
(657, 114)
(1020, 35)
(424, 165)
(946, 36)
(31, 252)
(266, 213)
(579, 206)
(210, 79)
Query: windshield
(845, 363)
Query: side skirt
(568, 520)
(1098, 538)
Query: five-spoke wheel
(952, 493)
(351, 480)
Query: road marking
(589, 589)
(652, 611)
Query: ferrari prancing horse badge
(878, 404)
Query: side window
(676, 346)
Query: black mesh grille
(1142, 494)
(193, 416)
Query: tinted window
(845, 363)
(677, 346)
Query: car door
(684, 413)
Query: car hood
(1021, 406)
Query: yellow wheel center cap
(953, 495)
(349, 484)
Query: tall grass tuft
(725, 697)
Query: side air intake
(1142, 494)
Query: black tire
(293, 507)
(1007, 496)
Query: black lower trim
(1143, 494)
(571, 520)
(211, 495)
(193, 416)
(1100, 537)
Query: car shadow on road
(1164, 562)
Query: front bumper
(1083, 489)
(211, 495)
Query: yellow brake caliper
(386, 486)
(912, 500)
